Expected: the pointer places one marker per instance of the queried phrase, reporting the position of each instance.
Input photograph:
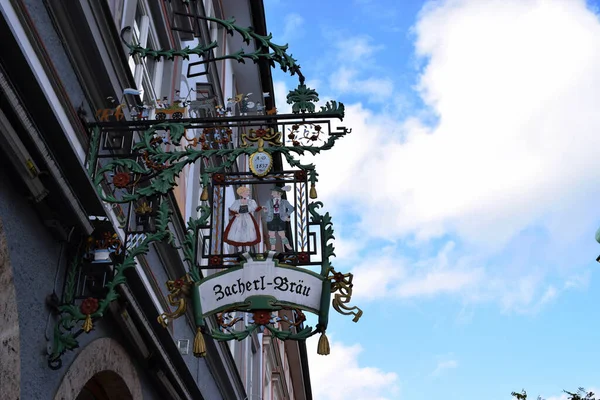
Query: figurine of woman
(242, 229)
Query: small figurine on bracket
(260, 109)
(145, 111)
(177, 99)
(242, 229)
(230, 106)
(245, 103)
(134, 112)
(278, 215)
(220, 110)
(104, 114)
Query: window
(116, 9)
(144, 70)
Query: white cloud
(356, 55)
(524, 294)
(515, 87)
(435, 282)
(443, 366)
(346, 80)
(548, 295)
(578, 281)
(355, 49)
(294, 24)
(340, 376)
(385, 274)
(281, 92)
(377, 277)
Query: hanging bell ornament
(323, 345)
(204, 195)
(87, 324)
(199, 344)
(313, 191)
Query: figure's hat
(280, 189)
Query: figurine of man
(244, 104)
(145, 111)
(278, 215)
(230, 106)
(134, 112)
(260, 109)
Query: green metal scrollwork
(289, 335)
(338, 284)
(233, 335)
(71, 314)
(169, 54)
(282, 334)
(93, 151)
(267, 50)
(163, 167)
(190, 249)
(333, 107)
(327, 234)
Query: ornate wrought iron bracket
(135, 164)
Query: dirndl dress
(242, 229)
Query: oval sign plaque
(260, 163)
(296, 287)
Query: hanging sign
(290, 286)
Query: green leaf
(289, 335)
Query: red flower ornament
(218, 178)
(300, 175)
(215, 260)
(261, 317)
(89, 306)
(303, 258)
(260, 132)
(121, 180)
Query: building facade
(64, 65)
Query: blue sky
(465, 199)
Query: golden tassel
(199, 344)
(323, 346)
(88, 325)
(313, 191)
(204, 195)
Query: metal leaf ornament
(302, 99)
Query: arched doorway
(105, 385)
(102, 371)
